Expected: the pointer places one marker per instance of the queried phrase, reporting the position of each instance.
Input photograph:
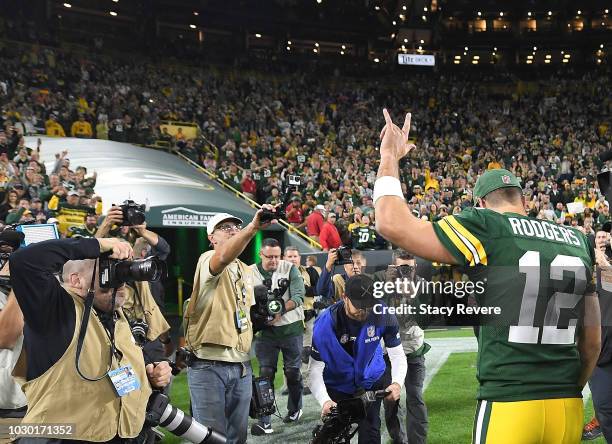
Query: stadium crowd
(258, 130)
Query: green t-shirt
(537, 272)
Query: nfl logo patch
(506, 179)
(344, 339)
(371, 331)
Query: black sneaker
(260, 429)
(293, 417)
(591, 430)
(306, 391)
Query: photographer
(110, 407)
(12, 399)
(413, 341)
(218, 329)
(331, 285)
(347, 355)
(144, 300)
(310, 276)
(285, 333)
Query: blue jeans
(267, 351)
(220, 397)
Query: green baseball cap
(493, 180)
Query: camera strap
(83, 329)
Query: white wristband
(387, 186)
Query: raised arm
(394, 219)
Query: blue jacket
(343, 372)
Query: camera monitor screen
(38, 233)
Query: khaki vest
(149, 311)
(339, 285)
(308, 300)
(60, 395)
(215, 323)
(283, 271)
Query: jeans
(221, 395)
(416, 410)
(267, 351)
(601, 390)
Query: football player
(536, 357)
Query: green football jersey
(537, 273)
(364, 238)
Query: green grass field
(450, 398)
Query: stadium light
(402, 17)
(495, 48)
(493, 53)
(529, 14)
(479, 13)
(315, 50)
(549, 13)
(457, 57)
(547, 61)
(116, 1)
(317, 44)
(565, 60)
(529, 57)
(319, 1)
(529, 62)
(394, 22)
(377, 8)
(422, 41)
(566, 56)
(476, 57)
(376, 60)
(404, 7)
(606, 11)
(579, 12)
(424, 18)
(258, 35)
(474, 62)
(457, 62)
(425, 9)
(464, 52)
(288, 42)
(288, 48)
(501, 14)
(393, 35)
(405, 40)
(67, 5)
(420, 48)
(548, 56)
(601, 46)
(341, 52)
(343, 46)
(196, 13)
(193, 26)
(598, 61)
(466, 48)
(113, 13)
(535, 48)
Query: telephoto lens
(148, 269)
(161, 412)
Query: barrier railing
(248, 200)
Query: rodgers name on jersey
(543, 230)
(537, 273)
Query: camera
(293, 182)
(345, 256)
(337, 427)
(161, 412)
(133, 213)
(139, 328)
(268, 302)
(114, 273)
(405, 271)
(262, 401)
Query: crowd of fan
(29, 194)
(269, 126)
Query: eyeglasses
(271, 257)
(229, 227)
